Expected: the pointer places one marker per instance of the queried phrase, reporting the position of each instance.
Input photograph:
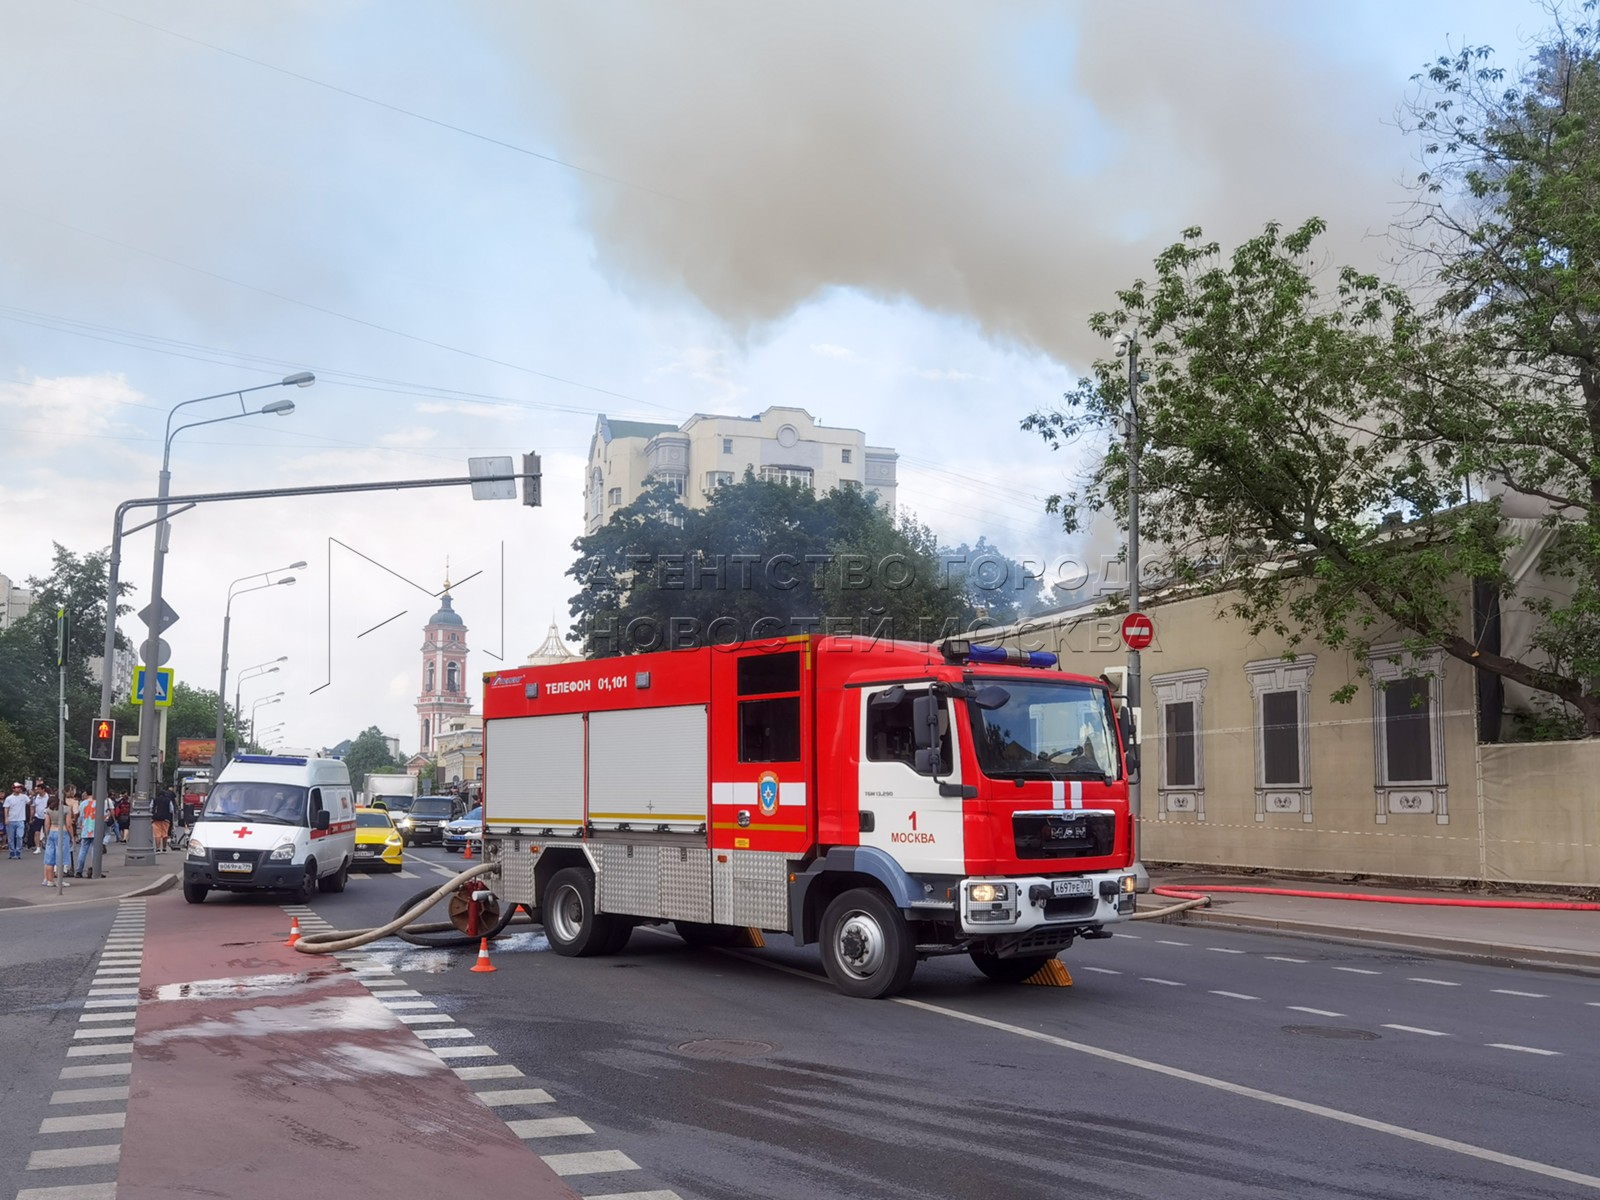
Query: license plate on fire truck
(1074, 887)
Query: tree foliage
(766, 559)
(369, 752)
(1318, 444)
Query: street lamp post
(272, 699)
(1127, 344)
(217, 753)
(141, 848)
(266, 668)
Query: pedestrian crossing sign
(163, 686)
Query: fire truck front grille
(1064, 833)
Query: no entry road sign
(1138, 631)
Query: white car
(464, 829)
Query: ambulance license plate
(1074, 887)
(236, 868)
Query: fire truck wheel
(697, 933)
(866, 946)
(1009, 970)
(570, 922)
(621, 931)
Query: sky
(482, 224)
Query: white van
(274, 822)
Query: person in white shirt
(41, 802)
(16, 809)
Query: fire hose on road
(1197, 896)
(476, 912)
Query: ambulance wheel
(697, 933)
(570, 921)
(866, 947)
(1009, 970)
(308, 883)
(195, 893)
(336, 881)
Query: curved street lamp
(272, 699)
(141, 848)
(217, 750)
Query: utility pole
(1128, 344)
(61, 696)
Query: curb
(150, 889)
(1495, 952)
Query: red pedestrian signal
(102, 739)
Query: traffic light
(102, 737)
(531, 480)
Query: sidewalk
(21, 881)
(1525, 937)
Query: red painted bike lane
(259, 1071)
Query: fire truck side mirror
(925, 733)
(1130, 740)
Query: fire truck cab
(888, 801)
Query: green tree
(761, 559)
(29, 678)
(1310, 438)
(369, 752)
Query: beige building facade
(1248, 761)
(707, 451)
(458, 749)
(15, 601)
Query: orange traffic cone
(483, 963)
(294, 931)
(466, 851)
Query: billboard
(196, 752)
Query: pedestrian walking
(161, 818)
(39, 800)
(57, 849)
(86, 829)
(16, 820)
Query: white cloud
(470, 408)
(416, 435)
(829, 350)
(944, 375)
(707, 365)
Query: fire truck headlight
(988, 893)
(1130, 884)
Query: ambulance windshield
(266, 803)
(1048, 731)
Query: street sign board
(162, 686)
(493, 478)
(1138, 631)
(130, 748)
(150, 616)
(163, 653)
(121, 771)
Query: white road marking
(516, 1096)
(1236, 995)
(1524, 1049)
(1281, 958)
(1162, 982)
(1529, 995)
(497, 1071)
(1100, 970)
(1223, 950)
(1165, 942)
(80, 1191)
(122, 1014)
(391, 982)
(1435, 982)
(410, 1004)
(96, 1070)
(404, 874)
(99, 1095)
(1593, 1003)
(1315, 1012)
(1414, 1029)
(92, 1051)
(73, 1156)
(436, 1035)
(592, 1162)
(1134, 936)
(406, 1018)
(464, 1052)
(548, 1127)
(1466, 1149)
(658, 1194)
(81, 1123)
(1358, 971)
(399, 992)
(79, 1035)
(129, 1001)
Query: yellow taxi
(378, 843)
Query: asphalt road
(1182, 1062)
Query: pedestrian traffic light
(532, 480)
(102, 738)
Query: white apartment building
(708, 450)
(14, 602)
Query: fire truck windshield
(1047, 731)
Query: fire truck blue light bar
(1008, 657)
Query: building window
(727, 445)
(676, 482)
(852, 485)
(1281, 691)
(427, 685)
(1408, 733)
(793, 476)
(844, 456)
(1180, 717)
(716, 479)
(614, 497)
(424, 733)
(452, 678)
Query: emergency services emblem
(767, 793)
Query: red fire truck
(888, 801)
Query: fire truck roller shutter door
(535, 769)
(648, 768)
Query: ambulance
(886, 801)
(283, 822)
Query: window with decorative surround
(1408, 733)
(1180, 717)
(1281, 695)
(794, 476)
